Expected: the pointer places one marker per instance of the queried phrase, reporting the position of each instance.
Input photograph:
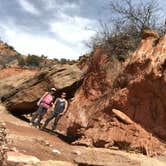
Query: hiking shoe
(43, 127)
(31, 124)
(37, 127)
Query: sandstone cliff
(11, 78)
(23, 98)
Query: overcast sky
(55, 28)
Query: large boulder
(23, 98)
(11, 78)
(138, 91)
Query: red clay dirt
(29, 142)
(25, 140)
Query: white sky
(54, 28)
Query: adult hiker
(44, 103)
(59, 109)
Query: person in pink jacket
(44, 103)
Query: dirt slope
(27, 144)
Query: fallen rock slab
(94, 157)
(152, 162)
(122, 116)
(17, 157)
(51, 163)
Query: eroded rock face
(22, 100)
(11, 78)
(7, 50)
(146, 90)
(3, 143)
(139, 92)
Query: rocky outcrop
(3, 143)
(22, 100)
(52, 163)
(138, 90)
(145, 92)
(7, 56)
(11, 78)
(16, 157)
(5, 49)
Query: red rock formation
(147, 89)
(140, 92)
(7, 50)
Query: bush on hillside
(63, 61)
(21, 60)
(33, 60)
(129, 19)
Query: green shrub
(63, 61)
(33, 60)
(21, 60)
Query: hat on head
(63, 94)
(53, 89)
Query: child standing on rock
(44, 103)
(59, 108)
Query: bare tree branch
(129, 19)
(141, 14)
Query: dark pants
(39, 113)
(50, 117)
